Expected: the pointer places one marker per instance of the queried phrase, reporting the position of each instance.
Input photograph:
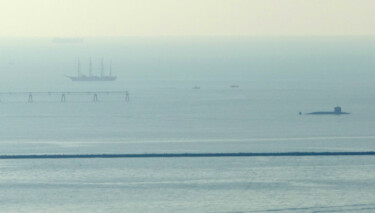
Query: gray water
(277, 78)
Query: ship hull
(328, 113)
(93, 78)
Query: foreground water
(261, 184)
(276, 79)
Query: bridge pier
(95, 99)
(30, 100)
(127, 98)
(62, 98)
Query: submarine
(336, 111)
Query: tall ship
(91, 77)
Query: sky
(91, 18)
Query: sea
(188, 95)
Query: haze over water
(278, 77)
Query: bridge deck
(63, 94)
(66, 93)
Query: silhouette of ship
(336, 111)
(91, 77)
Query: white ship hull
(92, 78)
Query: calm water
(277, 78)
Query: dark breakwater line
(188, 155)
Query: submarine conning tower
(337, 110)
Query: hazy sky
(186, 17)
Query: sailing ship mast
(90, 68)
(110, 68)
(79, 68)
(102, 69)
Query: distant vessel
(91, 77)
(68, 40)
(196, 87)
(336, 111)
(234, 86)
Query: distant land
(68, 40)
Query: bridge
(63, 94)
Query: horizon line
(186, 155)
(185, 36)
